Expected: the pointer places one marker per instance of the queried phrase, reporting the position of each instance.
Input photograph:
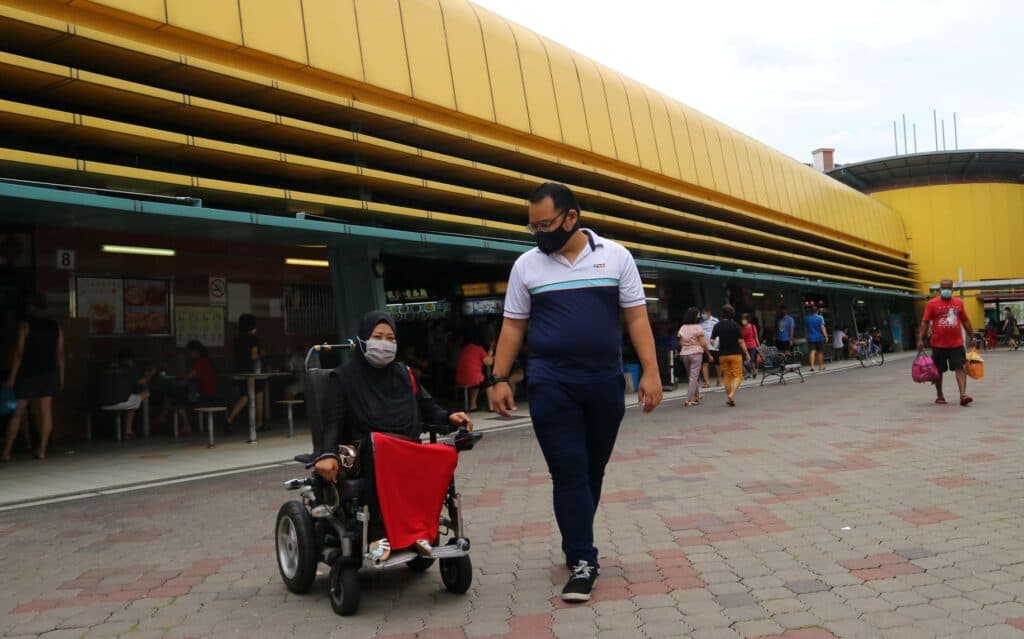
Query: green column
(357, 288)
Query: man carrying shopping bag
(948, 321)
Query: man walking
(817, 335)
(948, 320)
(708, 323)
(571, 289)
(784, 331)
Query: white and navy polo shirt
(575, 328)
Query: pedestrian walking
(571, 289)
(732, 352)
(707, 323)
(37, 374)
(784, 331)
(948, 321)
(693, 349)
(1011, 329)
(748, 330)
(817, 335)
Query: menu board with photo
(115, 306)
(101, 300)
(145, 307)
(203, 323)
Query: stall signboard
(202, 323)
(145, 307)
(117, 306)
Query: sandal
(965, 400)
(730, 402)
(422, 548)
(380, 550)
(941, 400)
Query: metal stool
(289, 403)
(465, 395)
(208, 410)
(117, 422)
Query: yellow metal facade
(436, 106)
(974, 227)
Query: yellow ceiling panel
(571, 114)
(333, 37)
(540, 93)
(643, 128)
(504, 71)
(428, 53)
(663, 135)
(465, 42)
(382, 43)
(595, 104)
(216, 19)
(274, 27)
(621, 118)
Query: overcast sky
(800, 75)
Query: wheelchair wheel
(344, 589)
(457, 574)
(295, 538)
(421, 564)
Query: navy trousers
(576, 425)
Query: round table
(250, 380)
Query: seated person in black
(372, 393)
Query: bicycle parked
(869, 352)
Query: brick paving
(849, 506)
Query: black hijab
(376, 399)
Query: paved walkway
(103, 466)
(849, 506)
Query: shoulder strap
(412, 378)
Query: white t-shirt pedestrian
(708, 324)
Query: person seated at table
(469, 372)
(200, 384)
(370, 393)
(295, 363)
(124, 388)
(246, 354)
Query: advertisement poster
(101, 300)
(203, 323)
(145, 307)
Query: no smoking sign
(218, 291)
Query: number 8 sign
(65, 260)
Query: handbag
(924, 369)
(975, 365)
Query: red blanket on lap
(411, 480)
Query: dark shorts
(704, 357)
(243, 387)
(37, 386)
(949, 359)
(816, 346)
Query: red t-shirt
(207, 378)
(749, 334)
(469, 371)
(946, 317)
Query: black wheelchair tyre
(421, 564)
(295, 547)
(344, 591)
(457, 574)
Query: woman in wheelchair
(373, 393)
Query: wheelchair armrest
(308, 459)
(438, 429)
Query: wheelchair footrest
(449, 551)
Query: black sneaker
(581, 582)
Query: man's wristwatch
(492, 380)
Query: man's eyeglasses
(545, 225)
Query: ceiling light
(301, 261)
(756, 294)
(137, 250)
(652, 299)
(650, 286)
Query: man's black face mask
(552, 241)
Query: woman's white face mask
(379, 352)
